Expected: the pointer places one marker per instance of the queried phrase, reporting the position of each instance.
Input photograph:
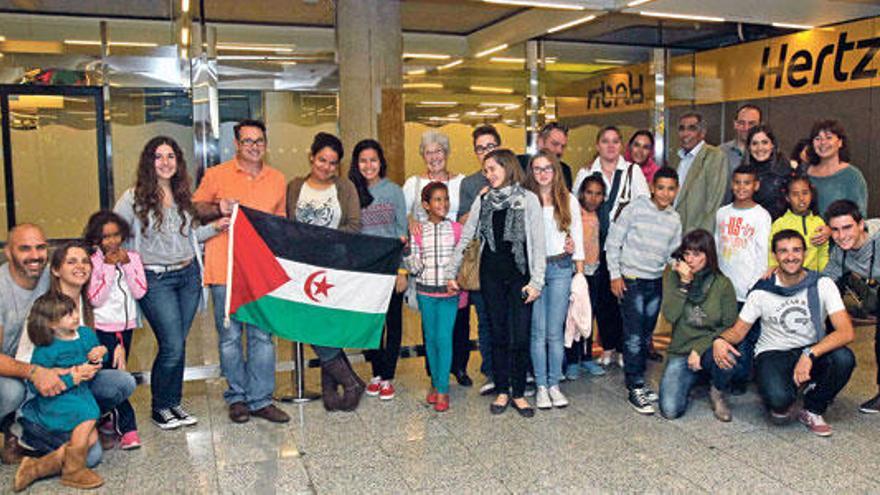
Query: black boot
(342, 373)
(329, 389)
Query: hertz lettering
(797, 70)
(611, 95)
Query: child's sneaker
(375, 386)
(572, 372)
(107, 434)
(130, 441)
(386, 390)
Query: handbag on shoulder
(469, 274)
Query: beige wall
(129, 141)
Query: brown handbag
(469, 274)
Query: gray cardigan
(534, 240)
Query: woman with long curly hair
(160, 212)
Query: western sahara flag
(309, 284)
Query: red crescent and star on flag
(314, 287)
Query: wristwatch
(808, 351)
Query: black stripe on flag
(327, 248)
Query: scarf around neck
(698, 290)
(810, 283)
(511, 198)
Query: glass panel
(43, 129)
(454, 97)
(591, 86)
(139, 115)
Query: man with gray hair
(702, 175)
(553, 138)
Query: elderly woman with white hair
(434, 148)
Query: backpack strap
(456, 231)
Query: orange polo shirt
(266, 192)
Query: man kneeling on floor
(794, 352)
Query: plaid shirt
(429, 254)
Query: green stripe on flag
(312, 324)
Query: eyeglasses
(691, 127)
(253, 142)
(480, 149)
(543, 170)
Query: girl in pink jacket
(118, 280)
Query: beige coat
(703, 191)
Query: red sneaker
(432, 397)
(386, 391)
(374, 386)
(130, 440)
(442, 404)
(815, 423)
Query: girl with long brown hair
(160, 212)
(564, 247)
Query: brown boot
(12, 452)
(342, 373)
(329, 392)
(35, 468)
(719, 404)
(74, 472)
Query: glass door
(55, 167)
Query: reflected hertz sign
(617, 90)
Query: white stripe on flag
(345, 290)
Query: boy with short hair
(638, 247)
(742, 235)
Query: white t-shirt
(319, 207)
(741, 238)
(785, 321)
(554, 239)
(412, 192)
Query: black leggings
(125, 418)
(384, 359)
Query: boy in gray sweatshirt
(638, 247)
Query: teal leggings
(438, 320)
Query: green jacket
(694, 327)
(701, 194)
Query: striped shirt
(642, 239)
(429, 254)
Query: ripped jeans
(640, 309)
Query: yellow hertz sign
(820, 60)
(823, 59)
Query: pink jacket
(579, 321)
(113, 291)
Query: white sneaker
(487, 388)
(542, 399)
(605, 358)
(557, 397)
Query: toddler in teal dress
(63, 424)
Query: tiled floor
(598, 444)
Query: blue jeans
(640, 308)
(12, 393)
(678, 379)
(484, 332)
(251, 380)
(746, 349)
(438, 320)
(548, 323)
(170, 305)
(829, 374)
(44, 442)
